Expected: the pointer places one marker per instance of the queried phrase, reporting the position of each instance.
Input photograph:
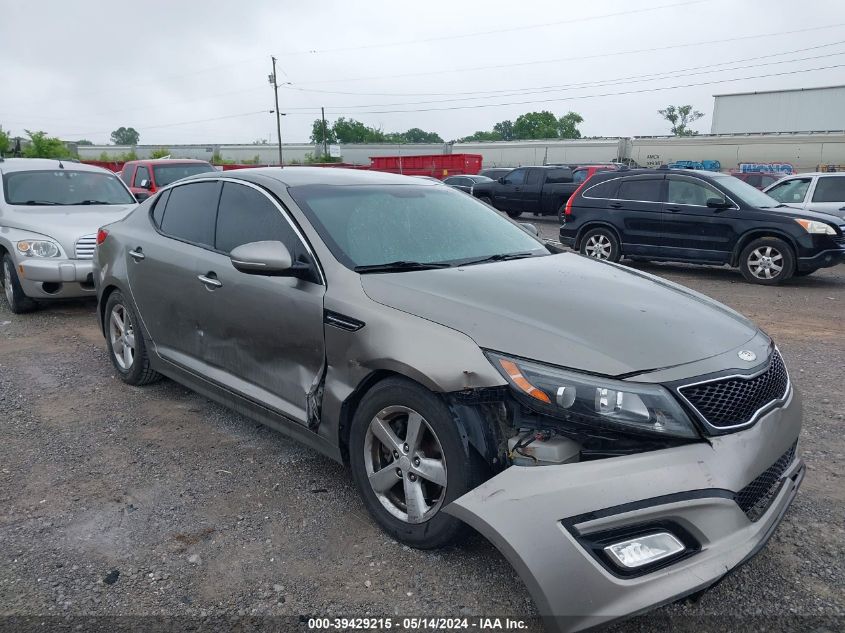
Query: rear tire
(486, 200)
(601, 243)
(561, 214)
(514, 214)
(125, 342)
(767, 261)
(386, 463)
(18, 302)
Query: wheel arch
(107, 291)
(595, 224)
(753, 234)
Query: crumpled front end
(720, 500)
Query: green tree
(317, 132)
(417, 135)
(352, 131)
(505, 131)
(533, 125)
(481, 136)
(5, 142)
(568, 125)
(161, 152)
(43, 146)
(84, 141)
(680, 117)
(125, 136)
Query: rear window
(559, 175)
(640, 190)
(166, 174)
(604, 190)
(830, 189)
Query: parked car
(494, 173)
(699, 217)
(49, 214)
(818, 191)
(145, 177)
(465, 183)
(623, 449)
(538, 190)
(757, 179)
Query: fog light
(644, 550)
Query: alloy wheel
(405, 464)
(7, 283)
(765, 262)
(122, 337)
(598, 246)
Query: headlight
(38, 248)
(587, 399)
(818, 228)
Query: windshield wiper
(92, 202)
(33, 203)
(499, 257)
(398, 266)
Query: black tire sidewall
(775, 242)
(461, 475)
(20, 302)
(513, 214)
(134, 375)
(615, 251)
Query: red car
(759, 179)
(145, 177)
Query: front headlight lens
(817, 228)
(38, 248)
(583, 398)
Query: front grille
(756, 497)
(735, 401)
(85, 247)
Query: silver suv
(818, 191)
(50, 211)
(623, 440)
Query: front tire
(126, 344)
(18, 302)
(767, 261)
(408, 462)
(601, 243)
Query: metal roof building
(819, 109)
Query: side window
(191, 212)
(247, 215)
(534, 177)
(642, 190)
(516, 177)
(126, 174)
(605, 190)
(688, 192)
(830, 189)
(562, 174)
(141, 174)
(158, 209)
(790, 191)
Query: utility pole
(273, 81)
(325, 136)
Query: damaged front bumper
(723, 500)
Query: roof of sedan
(297, 176)
(46, 164)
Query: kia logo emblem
(747, 355)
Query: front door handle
(210, 282)
(615, 205)
(673, 209)
(137, 254)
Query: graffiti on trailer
(771, 168)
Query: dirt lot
(154, 501)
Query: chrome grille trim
(84, 248)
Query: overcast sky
(82, 69)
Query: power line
(573, 58)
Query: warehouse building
(803, 110)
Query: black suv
(703, 218)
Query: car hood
(65, 224)
(570, 311)
(831, 217)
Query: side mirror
(140, 197)
(146, 184)
(265, 258)
(718, 203)
(530, 228)
(501, 180)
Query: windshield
(166, 174)
(372, 225)
(64, 187)
(748, 194)
(481, 178)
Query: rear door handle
(137, 254)
(210, 282)
(673, 209)
(615, 205)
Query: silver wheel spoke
(385, 434)
(129, 337)
(127, 355)
(414, 500)
(384, 479)
(412, 434)
(431, 469)
(117, 321)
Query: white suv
(817, 191)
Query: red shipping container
(435, 165)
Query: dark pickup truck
(537, 190)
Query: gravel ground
(121, 501)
